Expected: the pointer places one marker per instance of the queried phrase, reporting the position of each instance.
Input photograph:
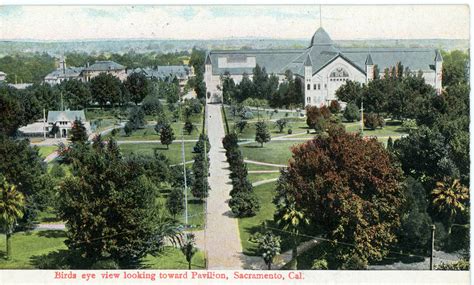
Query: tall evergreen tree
(78, 132)
(167, 135)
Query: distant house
(166, 73)
(20, 86)
(64, 121)
(3, 76)
(109, 67)
(63, 73)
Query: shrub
(247, 115)
(188, 127)
(105, 264)
(334, 107)
(320, 264)
(351, 113)
(128, 129)
(355, 262)
(373, 121)
(290, 131)
(459, 265)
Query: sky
(342, 22)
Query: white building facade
(322, 66)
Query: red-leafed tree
(349, 188)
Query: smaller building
(3, 76)
(107, 66)
(166, 73)
(64, 120)
(20, 86)
(63, 73)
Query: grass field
(251, 166)
(173, 153)
(149, 134)
(276, 152)
(25, 246)
(255, 177)
(249, 226)
(173, 258)
(28, 248)
(44, 151)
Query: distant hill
(166, 46)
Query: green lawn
(255, 177)
(276, 152)
(149, 134)
(267, 114)
(44, 151)
(173, 258)
(249, 226)
(173, 153)
(26, 246)
(251, 166)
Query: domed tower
(321, 38)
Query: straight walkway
(222, 238)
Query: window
(319, 88)
(308, 100)
(314, 87)
(308, 87)
(325, 87)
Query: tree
(151, 105)
(262, 134)
(161, 121)
(124, 208)
(449, 198)
(106, 88)
(137, 86)
(189, 127)
(351, 113)
(136, 118)
(76, 93)
(240, 125)
(269, 247)
(326, 182)
(316, 118)
(11, 110)
(167, 135)
(78, 132)
(349, 92)
(455, 65)
(12, 203)
(292, 220)
(188, 247)
(244, 204)
(414, 232)
(281, 124)
(175, 202)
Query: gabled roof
(69, 116)
(104, 66)
(69, 71)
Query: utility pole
(433, 227)
(362, 117)
(44, 123)
(184, 172)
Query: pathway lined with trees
(222, 239)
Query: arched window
(339, 74)
(308, 87)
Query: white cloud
(206, 22)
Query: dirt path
(263, 163)
(222, 239)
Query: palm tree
(12, 203)
(292, 220)
(449, 197)
(188, 247)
